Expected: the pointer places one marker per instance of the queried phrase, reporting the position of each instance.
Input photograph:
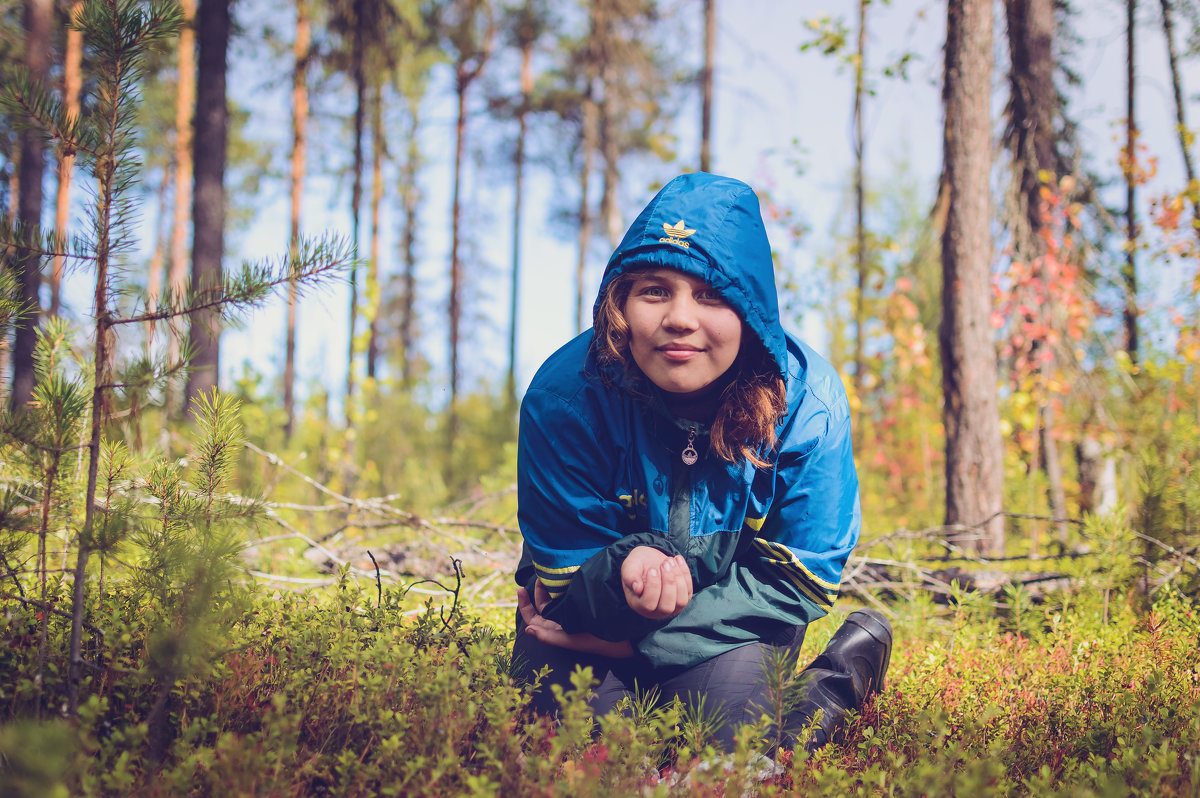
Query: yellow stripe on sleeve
(805, 581)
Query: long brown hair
(751, 403)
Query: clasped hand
(655, 586)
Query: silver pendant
(690, 455)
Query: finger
(666, 598)
(650, 595)
(525, 606)
(541, 596)
(554, 637)
(544, 624)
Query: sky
(783, 124)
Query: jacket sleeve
(815, 520)
(788, 569)
(572, 528)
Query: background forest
(262, 355)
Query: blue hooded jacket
(600, 472)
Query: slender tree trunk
(587, 148)
(72, 88)
(510, 385)
(973, 443)
(378, 153)
(460, 130)
(100, 381)
(609, 126)
(610, 212)
(860, 220)
(412, 198)
(585, 214)
(360, 101)
(706, 84)
(208, 206)
(157, 256)
(300, 56)
(1129, 269)
(29, 207)
(185, 109)
(1181, 128)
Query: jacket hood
(709, 227)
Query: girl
(687, 493)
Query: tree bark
(588, 148)
(208, 207)
(185, 109)
(860, 221)
(706, 84)
(72, 88)
(472, 54)
(29, 208)
(412, 198)
(1129, 268)
(455, 307)
(300, 58)
(1033, 108)
(379, 153)
(1181, 129)
(360, 101)
(510, 384)
(158, 255)
(974, 446)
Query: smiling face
(682, 334)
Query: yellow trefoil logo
(676, 233)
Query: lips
(679, 352)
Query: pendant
(690, 455)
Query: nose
(681, 313)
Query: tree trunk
(1033, 109)
(706, 84)
(974, 447)
(1181, 129)
(585, 215)
(378, 153)
(300, 56)
(455, 308)
(610, 131)
(360, 100)
(412, 199)
(860, 221)
(588, 148)
(208, 207)
(185, 108)
(72, 88)
(510, 385)
(29, 207)
(1129, 268)
(154, 280)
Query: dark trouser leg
(529, 656)
(734, 688)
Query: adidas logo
(675, 234)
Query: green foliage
(338, 692)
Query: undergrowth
(338, 692)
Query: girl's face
(682, 334)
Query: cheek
(729, 331)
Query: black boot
(852, 667)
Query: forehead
(669, 276)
